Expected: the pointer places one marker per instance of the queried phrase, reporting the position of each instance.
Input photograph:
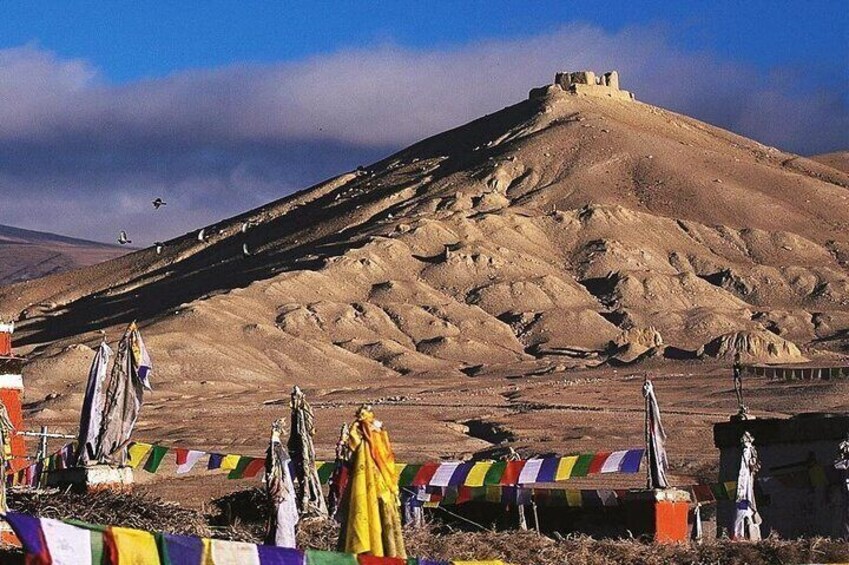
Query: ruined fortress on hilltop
(586, 83)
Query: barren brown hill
(567, 230)
(838, 160)
(27, 254)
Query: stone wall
(585, 83)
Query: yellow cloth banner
(477, 474)
(136, 453)
(573, 498)
(230, 462)
(373, 523)
(134, 547)
(564, 468)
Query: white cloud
(223, 139)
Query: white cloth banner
(234, 552)
(614, 460)
(443, 474)
(67, 544)
(530, 471)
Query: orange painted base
(12, 400)
(662, 521)
(671, 521)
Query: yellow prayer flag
(573, 498)
(134, 547)
(477, 474)
(399, 468)
(137, 452)
(564, 468)
(230, 462)
(731, 489)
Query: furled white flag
(655, 437)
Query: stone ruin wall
(585, 83)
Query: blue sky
(223, 106)
(132, 40)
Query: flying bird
(122, 238)
(158, 203)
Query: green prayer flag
(316, 557)
(239, 471)
(582, 465)
(325, 471)
(493, 475)
(157, 453)
(408, 474)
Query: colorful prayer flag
(239, 471)
(512, 472)
(598, 462)
(495, 472)
(67, 544)
(631, 461)
(230, 462)
(254, 467)
(316, 557)
(582, 465)
(272, 555)
(530, 471)
(460, 474)
(157, 453)
(187, 459)
(442, 476)
(425, 474)
(28, 530)
(613, 462)
(214, 461)
(180, 550)
(408, 474)
(477, 474)
(565, 467)
(239, 552)
(136, 452)
(548, 470)
(132, 547)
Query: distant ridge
(29, 254)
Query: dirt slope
(27, 254)
(561, 232)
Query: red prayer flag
(598, 461)
(253, 468)
(425, 474)
(512, 472)
(372, 560)
(464, 494)
(182, 455)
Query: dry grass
(108, 507)
(241, 516)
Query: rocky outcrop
(758, 346)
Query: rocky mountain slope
(27, 254)
(566, 229)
